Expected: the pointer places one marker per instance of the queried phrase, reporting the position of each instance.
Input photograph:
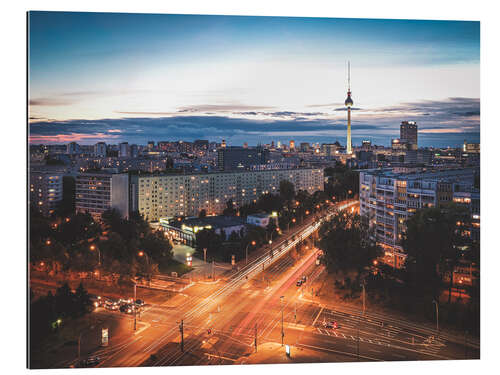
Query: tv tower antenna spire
(348, 103)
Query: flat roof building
(170, 195)
(98, 192)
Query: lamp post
(135, 306)
(94, 248)
(246, 251)
(141, 254)
(437, 315)
(282, 332)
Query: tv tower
(348, 104)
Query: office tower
(292, 145)
(348, 103)
(134, 151)
(233, 158)
(408, 134)
(72, 148)
(98, 192)
(46, 191)
(100, 149)
(304, 147)
(245, 145)
(124, 150)
(223, 144)
(366, 145)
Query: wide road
(224, 320)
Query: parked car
(139, 302)
(299, 282)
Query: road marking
(317, 316)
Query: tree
(287, 190)
(346, 247)
(82, 299)
(229, 210)
(434, 240)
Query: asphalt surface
(223, 321)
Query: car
(139, 302)
(110, 304)
(304, 278)
(127, 309)
(90, 361)
(332, 325)
(299, 282)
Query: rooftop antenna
(349, 75)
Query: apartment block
(101, 191)
(46, 190)
(389, 198)
(161, 196)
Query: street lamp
(282, 332)
(141, 254)
(246, 251)
(92, 248)
(437, 315)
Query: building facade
(46, 191)
(409, 134)
(160, 196)
(237, 158)
(388, 199)
(96, 193)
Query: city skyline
(135, 78)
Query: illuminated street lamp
(282, 332)
(141, 254)
(48, 242)
(437, 315)
(92, 248)
(246, 251)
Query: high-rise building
(134, 151)
(305, 147)
(100, 149)
(408, 134)
(292, 145)
(223, 144)
(366, 145)
(330, 149)
(388, 198)
(245, 145)
(124, 150)
(160, 196)
(98, 192)
(46, 189)
(278, 146)
(234, 158)
(348, 103)
(72, 148)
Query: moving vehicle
(90, 361)
(332, 325)
(127, 309)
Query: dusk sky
(137, 77)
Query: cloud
(222, 108)
(450, 119)
(50, 102)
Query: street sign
(104, 337)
